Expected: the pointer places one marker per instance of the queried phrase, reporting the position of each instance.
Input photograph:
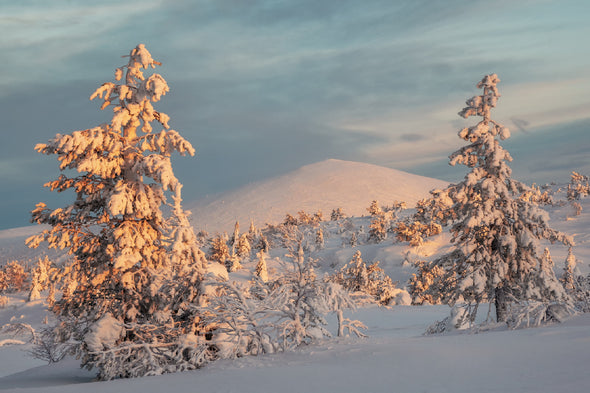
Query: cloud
(63, 39)
(261, 87)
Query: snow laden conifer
(496, 230)
(40, 278)
(366, 283)
(261, 270)
(134, 271)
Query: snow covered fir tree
(133, 270)
(497, 226)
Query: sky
(263, 87)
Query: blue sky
(264, 87)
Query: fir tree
(319, 238)
(13, 277)
(570, 272)
(233, 240)
(219, 250)
(252, 233)
(542, 284)
(232, 264)
(496, 232)
(371, 280)
(578, 188)
(261, 269)
(128, 259)
(378, 228)
(263, 244)
(337, 214)
(40, 278)
(374, 209)
(243, 247)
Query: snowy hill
(322, 186)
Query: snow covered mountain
(321, 186)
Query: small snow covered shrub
(378, 228)
(461, 318)
(337, 214)
(40, 278)
(357, 277)
(532, 313)
(3, 301)
(13, 277)
(415, 232)
(237, 319)
(576, 285)
(301, 300)
(578, 188)
(277, 315)
(219, 250)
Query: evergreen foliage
(122, 310)
(357, 277)
(495, 230)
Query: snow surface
(324, 186)
(396, 357)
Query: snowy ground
(395, 358)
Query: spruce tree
(261, 268)
(571, 273)
(496, 227)
(128, 258)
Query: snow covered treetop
(134, 98)
(481, 106)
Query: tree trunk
(501, 301)
(340, 323)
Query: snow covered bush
(532, 313)
(337, 214)
(243, 247)
(13, 277)
(415, 232)
(357, 277)
(219, 250)
(40, 278)
(576, 285)
(124, 307)
(275, 315)
(375, 209)
(236, 318)
(378, 228)
(496, 232)
(261, 269)
(301, 300)
(579, 187)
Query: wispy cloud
(277, 84)
(42, 39)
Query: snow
(396, 357)
(324, 186)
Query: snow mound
(321, 186)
